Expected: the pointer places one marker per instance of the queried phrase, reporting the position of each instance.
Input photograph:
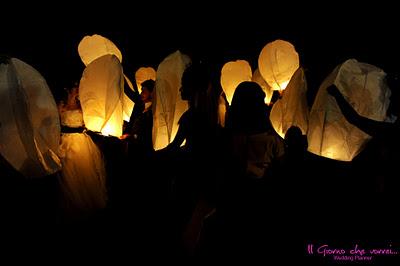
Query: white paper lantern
(92, 47)
(277, 62)
(364, 87)
(232, 74)
(264, 85)
(292, 108)
(127, 104)
(29, 121)
(101, 95)
(143, 74)
(168, 104)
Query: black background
(325, 34)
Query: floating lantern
(92, 47)
(264, 85)
(168, 105)
(292, 108)
(364, 87)
(232, 74)
(101, 93)
(143, 74)
(29, 120)
(277, 62)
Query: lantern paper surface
(29, 121)
(277, 62)
(127, 104)
(232, 74)
(101, 96)
(143, 74)
(292, 108)
(92, 47)
(363, 86)
(264, 85)
(168, 105)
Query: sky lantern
(168, 105)
(277, 62)
(29, 120)
(264, 85)
(101, 94)
(127, 104)
(95, 46)
(143, 74)
(292, 108)
(364, 87)
(232, 74)
(92, 47)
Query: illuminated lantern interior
(101, 92)
(92, 47)
(143, 74)
(232, 74)
(168, 105)
(127, 104)
(292, 108)
(264, 85)
(277, 62)
(364, 87)
(29, 121)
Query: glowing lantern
(292, 108)
(29, 120)
(363, 86)
(264, 85)
(232, 74)
(127, 104)
(92, 47)
(168, 104)
(277, 62)
(101, 92)
(143, 74)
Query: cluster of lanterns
(328, 132)
(33, 128)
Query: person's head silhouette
(195, 80)
(295, 142)
(248, 111)
(147, 90)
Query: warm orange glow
(143, 74)
(101, 96)
(127, 103)
(92, 47)
(168, 105)
(277, 62)
(29, 121)
(264, 85)
(280, 86)
(292, 108)
(232, 74)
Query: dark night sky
(48, 40)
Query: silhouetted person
(194, 175)
(138, 131)
(255, 146)
(253, 150)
